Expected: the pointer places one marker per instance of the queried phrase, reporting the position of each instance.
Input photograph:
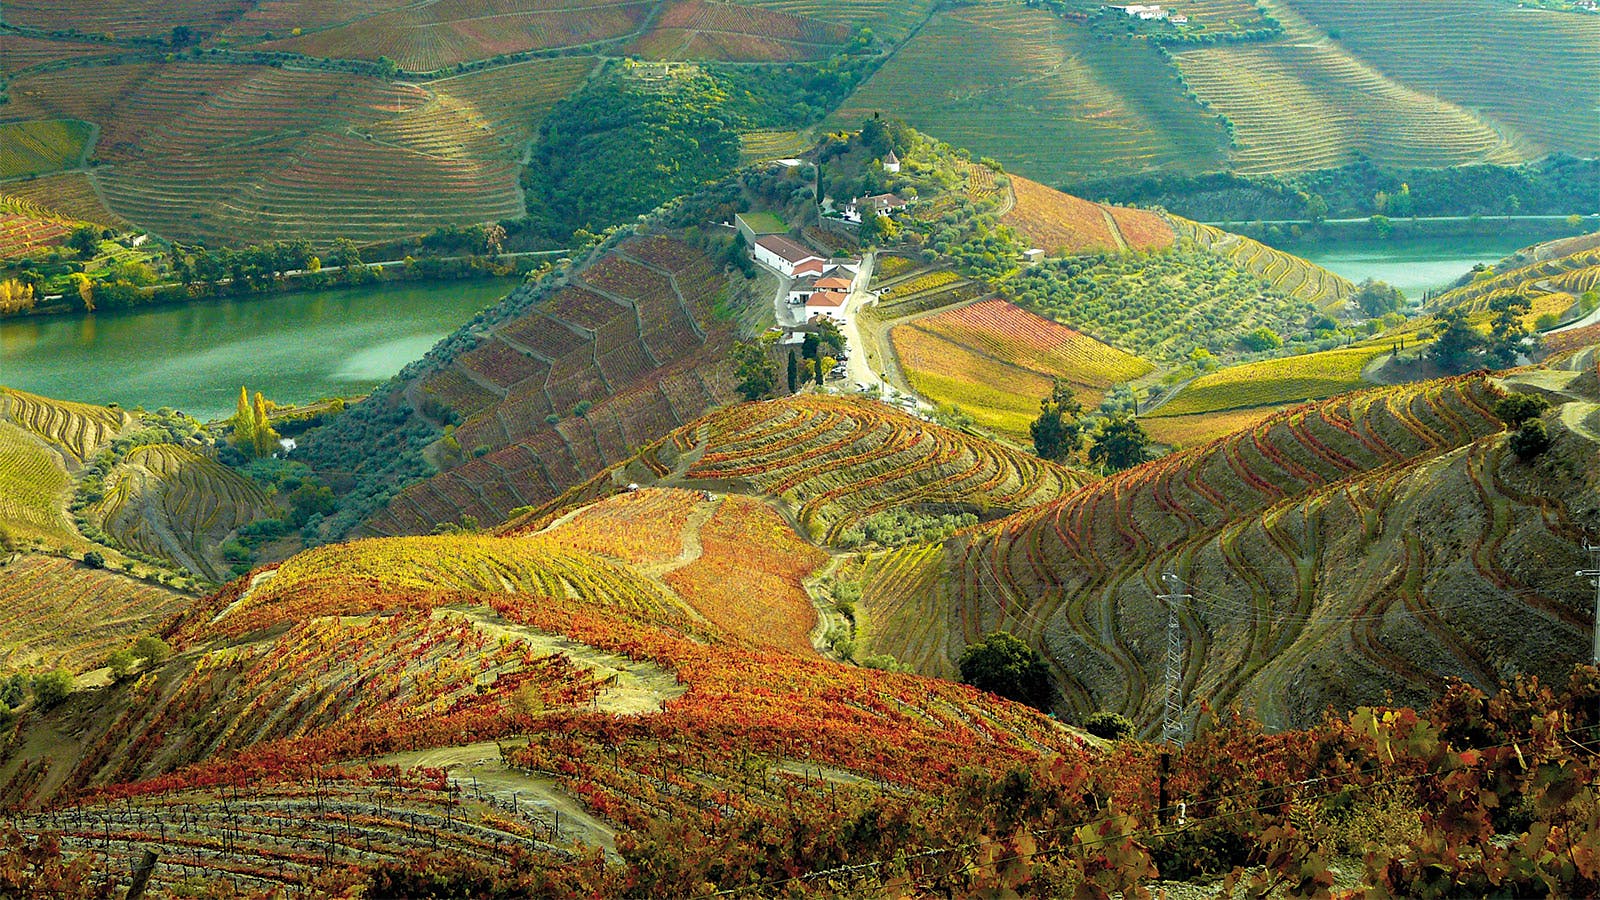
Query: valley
(747, 473)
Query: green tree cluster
(252, 431)
(1057, 433)
(1119, 443)
(754, 368)
(1002, 664)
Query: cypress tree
(243, 422)
(794, 373)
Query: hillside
(1412, 488)
(560, 380)
(624, 681)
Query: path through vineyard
(631, 688)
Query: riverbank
(1301, 237)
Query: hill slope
(1411, 487)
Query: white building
(785, 255)
(891, 163)
(826, 304)
(877, 205)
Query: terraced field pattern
(204, 151)
(398, 663)
(57, 613)
(996, 362)
(1380, 540)
(633, 335)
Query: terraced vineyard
(40, 147)
(1316, 547)
(35, 491)
(1306, 104)
(634, 335)
(25, 52)
(133, 19)
(759, 146)
(996, 362)
(1018, 84)
(75, 429)
(696, 29)
(249, 153)
(1470, 53)
(55, 613)
(21, 233)
(1291, 379)
(889, 19)
(837, 460)
(440, 35)
(1558, 280)
(1287, 273)
(69, 195)
(168, 501)
(1058, 222)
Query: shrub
(1514, 409)
(1530, 440)
(50, 688)
(1109, 725)
(152, 650)
(94, 560)
(1002, 664)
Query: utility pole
(1172, 723)
(1594, 574)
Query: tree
(85, 239)
(152, 649)
(265, 440)
(1456, 349)
(878, 229)
(121, 663)
(85, 290)
(1120, 443)
(754, 368)
(1375, 298)
(1004, 665)
(794, 371)
(1530, 440)
(1108, 725)
(1056, 432)
(1514, 409)
(12, 691)
(1506, 330)
(15, 296)
(50, 688)
(1261, 339)
(244, 422)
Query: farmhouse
(1147, 13)
(877, 205)
(826, 304)
(785, 255)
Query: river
(290, 347)
(1413, 265)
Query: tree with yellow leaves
(15, 297)
(251, 429)
(85, 290)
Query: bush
(1530, 440)
(121, 663)
(1514, 409)
(152, 650)
(94, 560)
(1002, 664)
(50, 688)
(1108, 725)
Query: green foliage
(1159, 306)
(1119, 443)
(1514, 409)
(1506, 329)
(1109, 725)
(94, 560)
(1057, 434)
(13, 690)
(903, 525)
(1456, 349)
(1530, 440)
(754, 368)
(121, 663)
(1002, 664)
(50, 688)
(1261, 340)
(1376, 298)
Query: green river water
(291, 347)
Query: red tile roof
(786, 249)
